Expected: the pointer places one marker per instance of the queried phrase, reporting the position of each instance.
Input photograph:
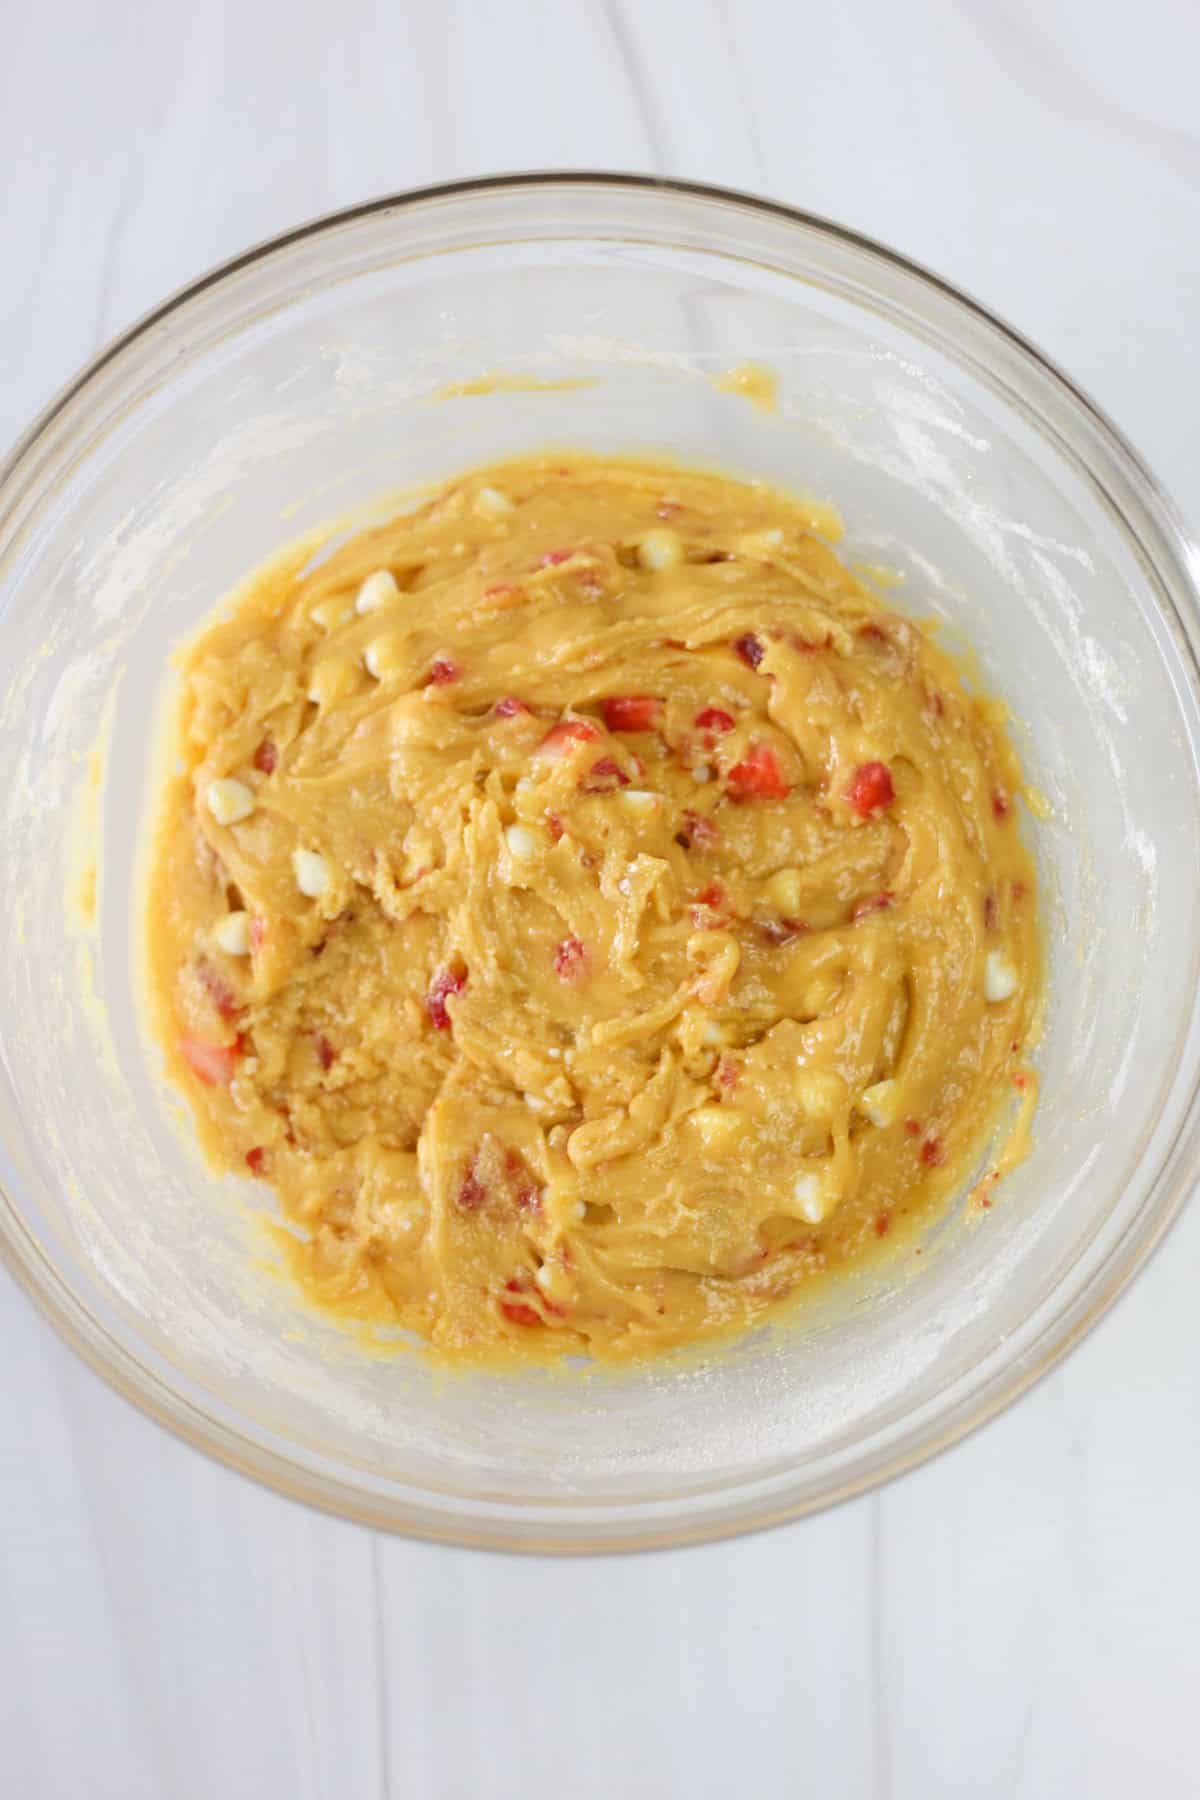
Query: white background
(1018, 1619)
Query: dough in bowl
(594, 912)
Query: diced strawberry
(449, 981)
(554, 826)
(781, 931)
(266, 757)
(1020, 1081)
(442, 671)
(500, 590)
(552, 558)
(807, 647)
(750, 649)
(933, 1152)
(571, 961)
(707, 909)
(562, 738)
(876, 903)
(516, 1310)
(759, 776)
(604, 776)
(1018, 890)
(699, 829)
(873, 631)
(913, 1127)
(883, 1224)
(256, 1160)
(727, 1073)
(218, 990)
(1000, 802)
(472, 1193)
(213, 1064)
(510, 707)
(871, 791)
(326, 1054)
(991, 912)
(631, 712)
(714, 720)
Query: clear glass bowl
(301, 379)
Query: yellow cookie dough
(592, 911)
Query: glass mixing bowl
(304, 378)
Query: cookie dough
(591, 909)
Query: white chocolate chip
(660, 550)
(521, 842)
(232, 934)
(701, 772)
(312, 872)
(718, 1126)
(999, 978)
(785, 891)
(881, 1103)
(640, 800)
(756, 542)
(810, 1199)
(229, 800)
(579, 1210)
(713, 1032)
(332, 613)
(376, 591)
(372, 661)
(492, 503)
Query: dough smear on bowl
(592, 910)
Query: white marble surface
(1022, 1617)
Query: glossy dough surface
(592, 909)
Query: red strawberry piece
(759, 776)
(714, 720)
(515, 1309)
(218, 990)
(933, 1152)
(871, 791)
(326, 1054)
(750, 649)
(782, 931)
(472, 1193)
(510, 707)
(449, 981)
(699, 829)
(552, 558)
(562, 738)
(913, 1127)
(1000, 803)
(256, 1160)
(604, 776)
(571, 961)
(554, 826)
(213, 1064)
(631, 712)
(873, 631)
(266, 757)
(442, 671)
(883, 1224)
(876, 903)
(991, 912)
(499, 590)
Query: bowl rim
(491, 1525)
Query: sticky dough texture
(590, 985)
